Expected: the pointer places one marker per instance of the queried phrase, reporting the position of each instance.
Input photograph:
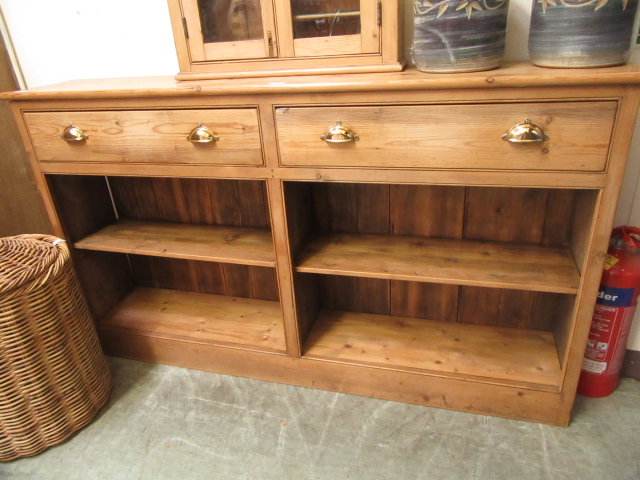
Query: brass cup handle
(202, 134)
(338, 133)
(525, 132)
(73, 134)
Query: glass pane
(230, 20)
(325, 18)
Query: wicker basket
(53, 375)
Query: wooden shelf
(441, 348)
(201, 318)
(214, 243)
(461, 262)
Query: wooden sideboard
(419, 257)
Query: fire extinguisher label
(610, 261)
(593, 366)
(615, 297)
(605, 346)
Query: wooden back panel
(238, 203)
(205, 277)
(527, 215)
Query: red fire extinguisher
(611, 323)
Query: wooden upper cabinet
(252, 38)
(228, 29)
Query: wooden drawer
(450, 136)
(148, 136)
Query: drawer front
(148, 136)
(450, 136)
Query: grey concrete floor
(167, 423)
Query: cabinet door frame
(366, 42)
(199, 51)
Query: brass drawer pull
(73, 134)
(202, 134)
(338, 133)
(525, 132)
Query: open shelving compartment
(476, 283)
(187, 259)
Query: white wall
(58, 40)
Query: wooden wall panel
(558, 223)
(353, 208)
(205, 277)
(355, 294)
(505, 214)
(495, 307)
(105, 279)
(264, 283)
(549, 309)
(424, 300)
(299, 207)
(83, 204)
(427, 210)
(240, 203)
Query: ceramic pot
(582, 33)
(459, 35)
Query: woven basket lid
(29, 258)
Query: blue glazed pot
(582, 33)
(459, 35)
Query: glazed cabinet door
(310, 28)
(229, 29)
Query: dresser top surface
(510, 75)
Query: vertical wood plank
(373, 204)
(342, 207)
(134, 197)
(299, 206)
(237, 280)
(169, 199)
(505, 214)
(424, 300)
(263, 283)
(209, 277)
(178, 274)
(495, 307)
(224, 202)
(356, 294)
(320, 205)
(197, 202)
(284, 21)
(83, 204)
(559, 217)
(358, 208)
(547, 308)
(105, 279)
(308, 293)
(251, 203)
(427, 210)
(563, 325)
(297, 317)
(583, 220)
(162, 272)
